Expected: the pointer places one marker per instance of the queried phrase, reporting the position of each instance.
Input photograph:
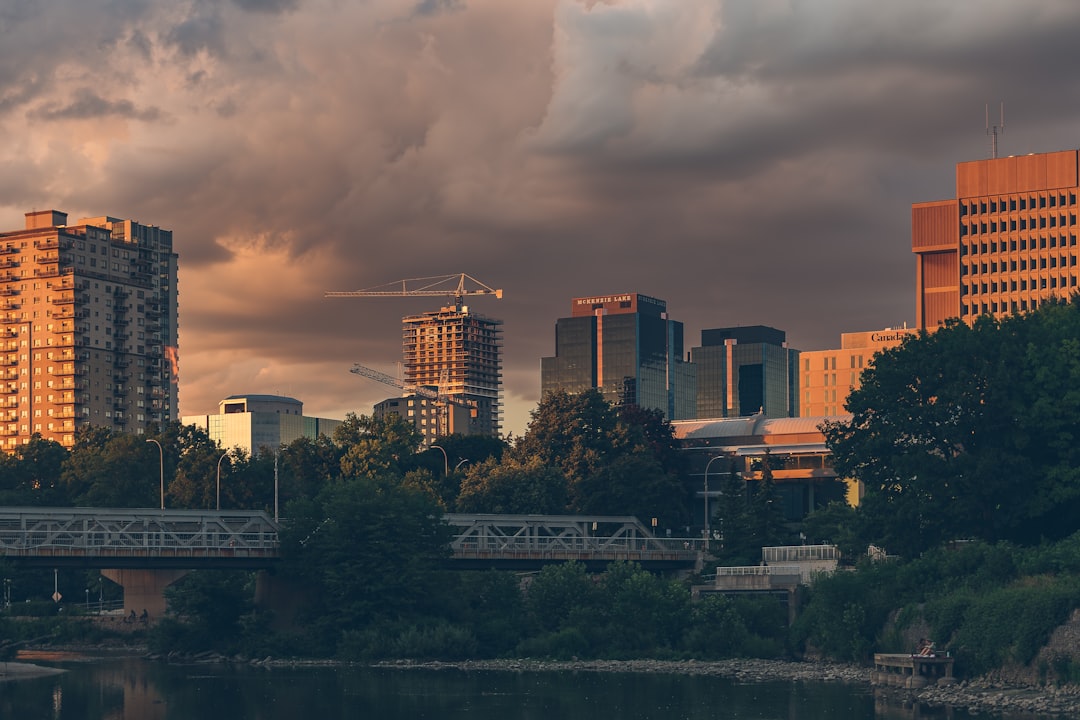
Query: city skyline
(750, 163)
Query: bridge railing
(562, 537)
(134, 533)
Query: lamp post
(225, 455)
(711, 461)
(161, 466)
(445, 459)
(460, 463)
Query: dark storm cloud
(87, 105)
(748, 162)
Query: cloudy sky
(749, 161)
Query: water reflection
(134, 689)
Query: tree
(616, 461)
(31, 474)
(969, 432)
(366, 550)
(375, 447)
(513, 487)
(107, 469)
(731, 521)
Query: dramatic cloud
(749, 161)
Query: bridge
(145, 550)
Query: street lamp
(460, 463)
(219, 480)
(161, 465)
(445, 459)
(711, 461)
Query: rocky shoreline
(988, 695)
(982, 695)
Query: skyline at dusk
(750, 163)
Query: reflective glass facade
(626, 347)
(745, 370)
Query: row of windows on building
(1004, 306)
(1039, 243)
(829, 362)
(1042, 263)
(1000, 226)
(1023, 285)
(1028, 202)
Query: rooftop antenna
(993, 131)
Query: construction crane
(440, 399)
(437, 285)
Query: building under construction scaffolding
(460, 353)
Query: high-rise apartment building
(744, 371)
(459, 353)
(1004, 245)
(625, 346)
(88, 327)
(827, 377)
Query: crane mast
(444, 349)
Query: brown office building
(88, 330)
(1004, 245)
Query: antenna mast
(993, 131)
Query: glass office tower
(746, 370)
(626, 347)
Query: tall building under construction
(88, 327)
(458, 353)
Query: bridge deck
(141, 538)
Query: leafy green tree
(211, 603)
(969, 432)
(306, 465)
(643, 613)
(575, 432)
(633, 483)
(376, 447)
(31, 475)
(766, 517)
(715, 628)
(366, 551)
(615, 461)
(838, 524)
(194, 485)
(121, 470)
(737, 543)
(513, 487)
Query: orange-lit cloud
(749, 162)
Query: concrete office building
(1005, 244)
(88, 327)
(626, 347)
(827, 377)
(432, 417)
(459, 353)
(744, 371)
(254, 422)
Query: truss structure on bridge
(531, 539)
(97, 537)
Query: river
(136, 689)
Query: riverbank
(989, 694)
(982, 695)
(10, 671)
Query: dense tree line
(967, 432)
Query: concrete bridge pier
(144, 589)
